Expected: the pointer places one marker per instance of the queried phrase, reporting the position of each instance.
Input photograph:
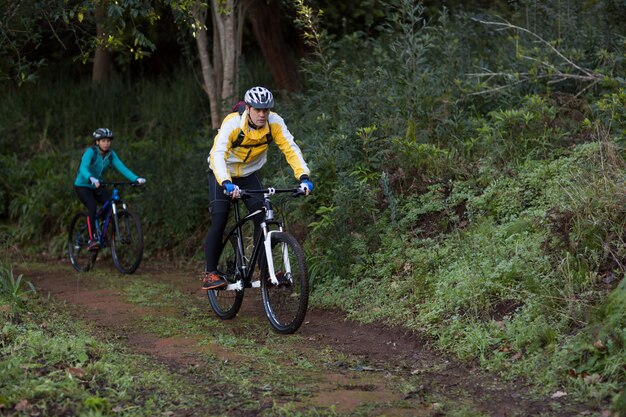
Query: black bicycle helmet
(259, 98)
(102, 132)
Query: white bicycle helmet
(102, 132)
(259, 98)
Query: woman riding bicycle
(95, 161)
(239, 151)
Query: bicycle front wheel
(285, 304)
(77, 241)
(126, 242)
(226, 303)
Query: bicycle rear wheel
(126, 242)
(285, 304)
(77, 241)
(226, 303)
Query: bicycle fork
(117, 200)
(267, 243)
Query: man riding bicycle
(239, 151)
(95, 161)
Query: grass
(263, 359)
(494, 230)
(510, 289)
(14, 288)
(54, 363)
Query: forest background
(468, 157)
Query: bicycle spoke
(225, 303)
(126, 242)
(78, 238)
(286, 302)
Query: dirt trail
(381, 351)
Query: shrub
(14, 288)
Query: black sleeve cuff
(304, 177)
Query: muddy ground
(444, 384)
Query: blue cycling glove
(229, 187)
(305, 184)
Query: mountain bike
(116, 226)
(283, 274)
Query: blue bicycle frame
(109, 207)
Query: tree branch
(507, 25)
(555, 74)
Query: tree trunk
(219, 74)
(102, 69)
(266, 24)
(208, 76)
(220, 71)
(226, 16)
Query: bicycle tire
(127, 246)
(286, 304)
(77, 241)
(226, 303)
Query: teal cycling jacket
(94, 164)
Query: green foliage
(511, 135)
(26, 26)
(492, 227)
(560, 43)
(595, 357)
(619, 404)
(52, 365)
(512, 281)
(610, 121)
(484, 210)
(14, 289)
(19, 31)
(35, 202)
(154, 136)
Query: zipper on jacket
(247, 155)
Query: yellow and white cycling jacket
(233, 157)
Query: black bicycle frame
(236, 230)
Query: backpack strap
(238, 142)
(95, 155)
(240, 107)
(93, 159)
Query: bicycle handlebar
(295, 192)
(269, 190)
(116, 183)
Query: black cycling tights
(220, 205)
(90, 197)
(213, 242)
